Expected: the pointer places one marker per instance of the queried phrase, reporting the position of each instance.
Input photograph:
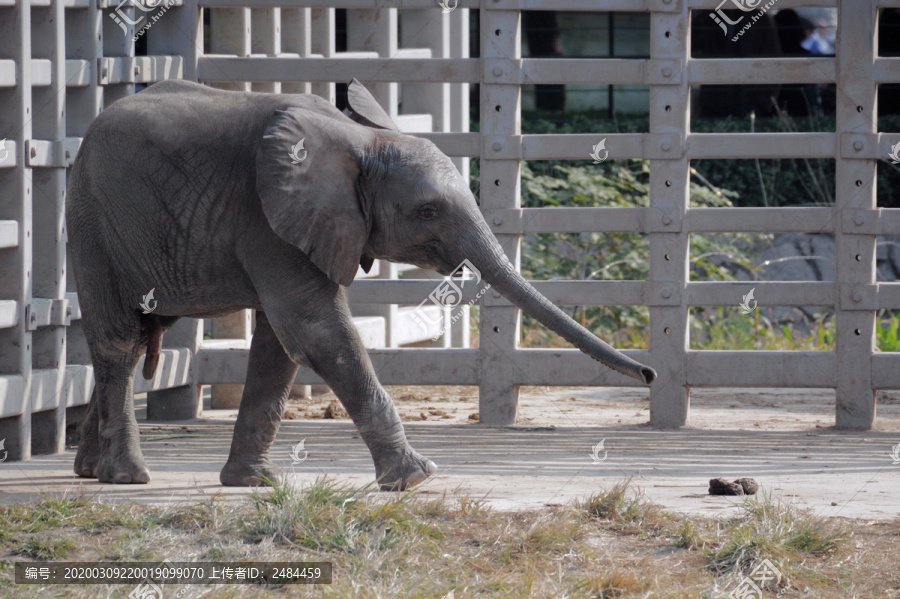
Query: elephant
(209, 198)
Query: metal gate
(62, 61)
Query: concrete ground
(781, 438)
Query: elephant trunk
(503, 277)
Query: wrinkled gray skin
(191, 191)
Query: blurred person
(797, 99)
(760, 40)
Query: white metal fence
(61, 62)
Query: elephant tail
(154, 333)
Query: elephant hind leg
(110, 448)
(88, 454)
(270, 373)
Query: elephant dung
(742, 486)
(334, 410)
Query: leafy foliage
(612, 256)
(714, 183)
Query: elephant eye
(427, 212)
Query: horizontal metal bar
(8, 153)
(580, 146)
(455, 144)
(37, 313)
(406, 292)
(79, 73)
(516, 221)
(886, 370)
(79, 384)
(60, 153)
(74, 308)
(760, 369)
(393, 367)
(585, 5)
(46, 312)
(766, 293)
(41, 72)
(619, 146)
(232, 68)
(174, 370)
(9, 313)
(761, 220)
(7, 73)
(9, 234)
(887, 70)
(571, 367)
(47, 389)
(583, 71)
(140, 69)
(758, 71)
(561, 293)
(633, 293)
(66, 3)
(151, 4)
(373, 4)
(12, 395)
(869, 146)
(713, 4)
(760, 145)
(565, 367)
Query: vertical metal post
(855, 187)
(233, 326)
(48, 423)
(376, 30)
(500, 116)
(230, 34)
(428, 28)
(83, 102)
(179, 403)
(669, 200)
(16, 205)
(459, 121)
(296, 38)
(459, 92)
(179, 33)
(266, 41)
(117, 44)
(322, 29)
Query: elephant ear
(364, 108)
(307, 169)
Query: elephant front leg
(270, 372)
(397, 465)
(329, 342)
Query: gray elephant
(205, 196)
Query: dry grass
(613, 544)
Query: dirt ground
(783, 438)
(726, 409)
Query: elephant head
(365, 191)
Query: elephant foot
(253, 474)
(403, 471)
(86, 460)
(122, 470)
